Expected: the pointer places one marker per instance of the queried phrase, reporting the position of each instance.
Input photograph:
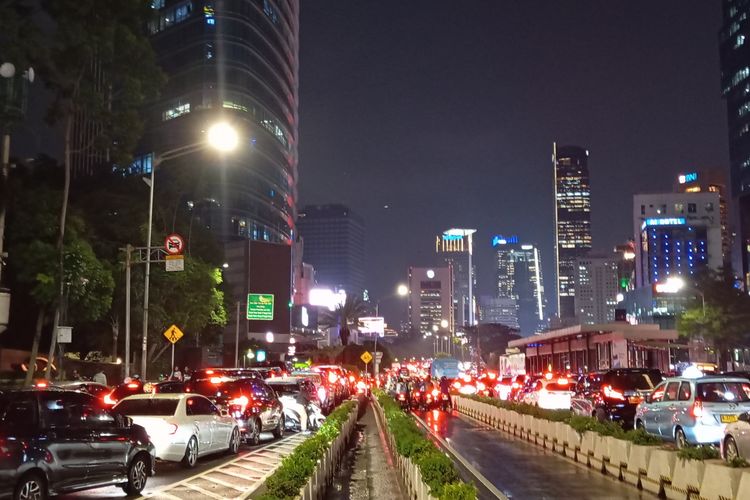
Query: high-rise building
(496, 310)
(454, 247)
(596, 289)
(625, 258)
(334, 244)
(519, 277)
(430, 299)
(676, 234)
(234, 61)
(572, 220)
(734, 52)
(710, 181)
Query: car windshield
(723, 392)
(285, 389)
(147, 407)
(640, 381)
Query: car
(552, 393)
(736, 441)
(250, 401)
(121, 391)
(322, 389)
(227, 373)
(614, 394)
(296, 396)
(55, 441)
(165, 387)
(93, 388)
(183, 427)
(692, 411)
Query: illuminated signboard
(372, 325)
(689, 177)
(665, 221)
(452, 237)
(501, 240)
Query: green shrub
(737, 462)
(298, 467)
(641, 437)
(459, 491)
(437, 470)
(698, 453)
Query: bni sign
(260, 306)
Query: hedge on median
(297, 468)
(437, 470)
(578, 422)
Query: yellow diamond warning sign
(173, 334)
(366, 357)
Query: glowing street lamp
(402, 290)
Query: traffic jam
(63, 437)
(695, 405)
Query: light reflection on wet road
(524, 470)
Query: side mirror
(647, 398)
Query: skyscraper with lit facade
(454, 248)
(234, 61)
(572, 220)
(519, 278)
(431, 299)
(734, 52)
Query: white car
(552, 394)
(183, 427)
(736, 441)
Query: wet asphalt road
(522, 470)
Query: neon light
(452, 237)
(666, 221)
(501, 240)
(689, 177)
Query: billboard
(372, 325)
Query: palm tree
(346, 315)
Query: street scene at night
(367, 250)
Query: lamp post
(401, 291)
(221, 137)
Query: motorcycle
(315, 417)
(445, 402)
(403, 400)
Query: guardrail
(649, 467)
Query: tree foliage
(345, 316)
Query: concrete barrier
(743, 489)
(660, 469)
(588, 444)
(686, 479)
(619, 455)
(720, 482)
(637, 463)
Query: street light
(221, 137)
(401, 291)
(675, 284)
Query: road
(522, 470)
(169, 473)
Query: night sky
(445, 112)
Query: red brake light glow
(209, 372)
(435, 392)
(697, 410)
(241, 401)
(457, 384)
(548, 376)
(481, 386)
(332, 377)
(133, 385)
(108, 399)
(612, 393)
(42, 384)
(562, 381)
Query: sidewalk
(366, 471)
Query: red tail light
(457, 384)
(332, 377)
(402, 397)
(481, 386)
(108, 399)
(351, 378)
(516, 385)
(697, 410)
(322, 394)
(435, 392)
(241, 401)
(612, 393)
(42, 384)
(133, 385)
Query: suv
(56, 441)
(614, 394)
(250, 401)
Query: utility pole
(128, 260)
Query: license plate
(728, 419)
(634, 400)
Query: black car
(250, 401)
(56, 441)
(614, 394)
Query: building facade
(676, 234)
(572, 220)
(496, 310)
(334, 244)
(519, 277)
(454, 247)
(234, 61)
(430, 298)
(734, 52)
(596, 289)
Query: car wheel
(600, 415)
(191, 453)
(31, 487)
(278, 432)
(730, 449)
(234, 442)
(137, 475)
(253, 436)
(680, 439)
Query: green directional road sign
(260, 306)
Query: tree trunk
(35, 347)
(61, 242)
(344, 336)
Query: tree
(722, 317)
(99, 64)
(345, 315)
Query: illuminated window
(679, 208)
(175, 111)
(170, 16)
(208, 13)
(709, 207)
(739, 41)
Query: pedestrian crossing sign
(366, 357)
(173, 334)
